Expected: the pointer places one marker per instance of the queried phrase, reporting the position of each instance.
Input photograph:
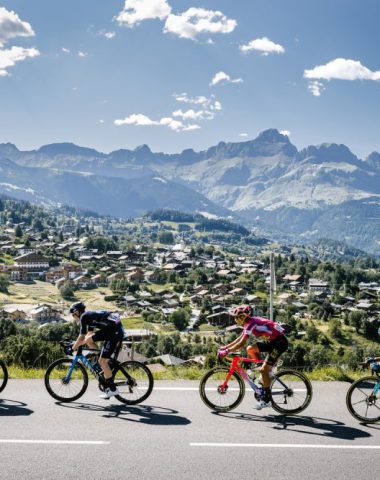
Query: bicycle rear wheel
(134, 381)
(217, 398)
(3, 375)
(361, 402)
(60, 386)
(291, 392)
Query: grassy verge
(195, 373)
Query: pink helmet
(242, 310)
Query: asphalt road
(173, 435)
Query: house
(169, 360)
(221, 319)
(35, 264)
(318, 286)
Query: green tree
(67, 290)
(18, 232)
(4, 283)
(180, 318)
(7, 328)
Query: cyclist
(272, 341)
(108, 329)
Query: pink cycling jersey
(264, 328)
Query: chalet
(136, 276)
(35, 264)
(318, 286)
(44, 314)
(83, 282)
(221, 288)
(114, 254)
(221, 319)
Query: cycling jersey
(265, 329)
(109, 329)
(100, 319)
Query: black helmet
(77, 307)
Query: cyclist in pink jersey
(272, 341)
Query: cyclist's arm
(79, 341)
(238, 343)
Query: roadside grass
(193, 372)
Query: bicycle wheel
(3, 375)
(134, 381)
(291, 392)
(361, 402)
(59, 386)
(216, 398)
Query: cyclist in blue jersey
(108, 328)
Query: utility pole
(272, 285)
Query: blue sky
(178, 74)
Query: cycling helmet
(77, 307)
(242, 313)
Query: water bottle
(96, 367)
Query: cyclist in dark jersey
(108, 328)
(272, 341)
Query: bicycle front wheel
(362, 402)
(3, 375)
(218, 397)
(291, 392)
(62, 387)
(134, 381)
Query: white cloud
(189, 114)
(136, 119)
(82, 54)
(342, 69)
(183, 97)
(243, 134)
(178, 121)
(222, 77)
(8, 58)
(196, 21)
(109, 35)
(209, 106)
(11, 26)
(65, 50)
(285, 132)
(316, 88)
(263, 45)
(135, 11)
(142, 120)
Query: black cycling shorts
(274, 349)
(111, 337)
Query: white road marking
(176, 388)
(285, 445)
(54, 442)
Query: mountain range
(322, 191)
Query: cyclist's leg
(109, 346)
(274, 350)
(253, 352)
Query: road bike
(3, 375)
(66, 379)
(362, 397)
(222, 388)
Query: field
(43, 292)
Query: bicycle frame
(80, 357)
(235, 367)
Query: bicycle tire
(209, 390)
(57, 386)
(3, 375)
(361, 402)
(293, 398)
(134, 381)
